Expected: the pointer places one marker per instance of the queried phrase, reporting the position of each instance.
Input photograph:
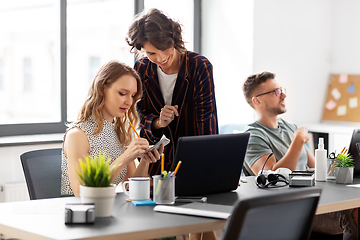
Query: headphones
(271, 179)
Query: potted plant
(95, 174)
(344, 168)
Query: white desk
(44, 219)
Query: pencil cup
(163, 190)
(329, 163)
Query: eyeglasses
(278, 92)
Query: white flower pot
(344, 175)
(102, 197)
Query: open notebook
(197, 209)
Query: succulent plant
(344, 160)
(95, 171)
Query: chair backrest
(42, 170)
(277, 216)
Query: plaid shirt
(193, 93)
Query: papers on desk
(354, 185)
(197, 209)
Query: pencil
(172, 177)
(332, 167)
(134, 129)
(343, 150)
(162, 162)
(177, 168)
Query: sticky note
(351, 89)
(341, 110)
(353, 102)
(143, 203)
(343, 78)
(335, 93)
(330, 105)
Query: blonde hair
(108, 74)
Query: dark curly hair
(155, 27)
(252, 82)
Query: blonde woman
(103, 126)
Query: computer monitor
(354, 150)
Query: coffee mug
(139, 188)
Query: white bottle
(320, 161)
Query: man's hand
(302, 134)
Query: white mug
(139, 188)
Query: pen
(134, 129)
(162, 162)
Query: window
(94, 65)
(100, 32)
(50, 51)
(183, 13)
(29, 68)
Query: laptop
(210, 163)
(354, 150)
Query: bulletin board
(342, 98)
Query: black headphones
(271, 179)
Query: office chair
(278, 216)
(42, 170)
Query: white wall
(346, 37)
(293, 40)
(301, 41)
(227, 41)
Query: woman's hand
(154, 155)
(150, 157)
(137, 147)
(167, 115)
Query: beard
(277, 110)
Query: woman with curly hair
(103, 126)
(178, 97)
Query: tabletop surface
(44, 219)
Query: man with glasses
(271, 134)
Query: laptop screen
(354, 150)
(210, 163)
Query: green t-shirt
(265, 140)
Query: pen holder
(163, 190)
(329, 164)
